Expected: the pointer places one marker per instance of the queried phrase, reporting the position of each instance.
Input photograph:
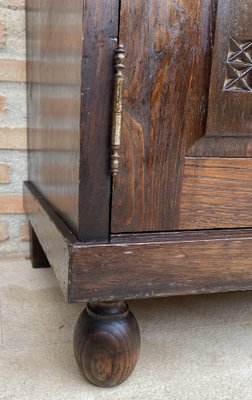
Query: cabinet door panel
(168, 59)
(183, 169)
(216, 193)
(217, 184)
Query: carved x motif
(239, 66)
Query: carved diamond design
(239, 66)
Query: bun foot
(107, 343)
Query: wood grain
(70, 68)
(216, 193)
(222, 146)
(229, 112)
(168, 47)
(107, 343)
(191, 263)
(100, 39)
(168, 57)
(141, 265)
(51, 75)
(229, 122)
(53, 235)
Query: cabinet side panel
(54, 50)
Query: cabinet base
(140, 265)
(106, 343)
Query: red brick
(4, 232)
(16, 4)
(2, 104)
(12, 70)
(13, 138)
(11, 204)
(24, 233)
(4, 173)
(3, 35)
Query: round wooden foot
(107, 343)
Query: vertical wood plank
(100, 25)
(168, 59)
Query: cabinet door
(186, 155)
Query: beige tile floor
(195, 348)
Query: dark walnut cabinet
(140, 158)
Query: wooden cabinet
(177, 216)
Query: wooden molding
(222, 146)
(141, 265)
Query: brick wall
(13, 156)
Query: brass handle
(117, 109)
